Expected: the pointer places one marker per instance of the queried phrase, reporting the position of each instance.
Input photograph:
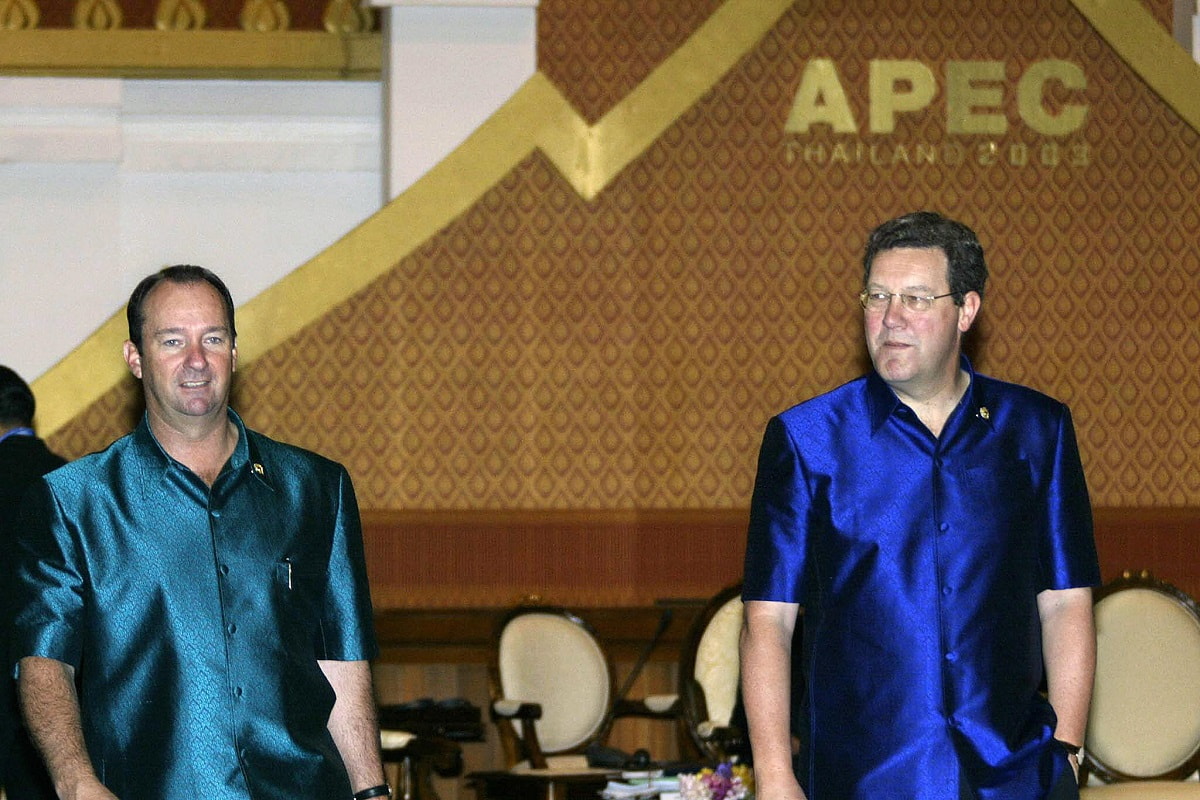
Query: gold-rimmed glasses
(879, 301)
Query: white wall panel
(103, 181)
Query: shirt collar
(882, 401)
(245, 453)
(975, 401)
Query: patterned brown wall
(546, 352)
(598, 51)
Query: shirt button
(952, 656)
(945, 526)
(224, 569)
(231, 628)
(946, 590)
(237, 691)
(215, 512)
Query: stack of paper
(636, 787)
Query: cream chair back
(718, 667)
(1145, 714)
(709, 671)
(554, 660)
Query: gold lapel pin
(984, 413)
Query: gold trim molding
(244, 55)
(16, 15)
(260, 16)
(97, 15)
(180, 15)
(537, 117)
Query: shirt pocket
(1001, 500)
(1008, 483)
(300, 585)
(285, 575)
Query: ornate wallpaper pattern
(544, 351)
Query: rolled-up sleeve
(48, 596)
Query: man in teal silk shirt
(935, 525)
(203, 586)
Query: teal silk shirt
(918, 561)
(195, 618)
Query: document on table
(639, 788)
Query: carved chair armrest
(654, 706)
(527, 713)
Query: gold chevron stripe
(1150, 51)
(537, 116)
(589, 157)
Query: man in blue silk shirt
(934, 524)
(203, 586)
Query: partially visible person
(935, 527)
(205, 586)
(23, 458)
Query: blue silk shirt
(195, 618)
(918, 561)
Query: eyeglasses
(879, 301)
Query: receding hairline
(225, 326)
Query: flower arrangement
(726, 782)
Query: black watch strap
(1073, 749)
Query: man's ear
(133, 358)
(968, 311)
(233, 354)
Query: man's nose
(195, 355)
(893, 314)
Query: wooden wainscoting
(456, 560)
(592, 559)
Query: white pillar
(448, 65)
(1196, 35)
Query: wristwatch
(1072, 749)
